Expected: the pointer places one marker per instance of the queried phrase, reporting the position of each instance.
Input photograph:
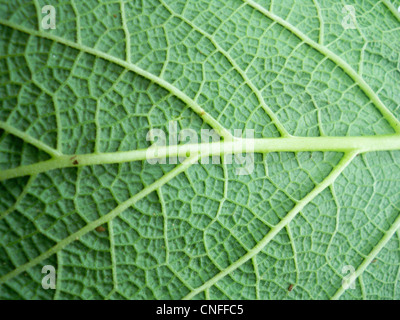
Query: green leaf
(315, 217)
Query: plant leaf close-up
(200, 149)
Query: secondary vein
(132, 67)
(282, 130)
(104, 219)
(29, 139)
(367, 261)
(387, 114)
(282, 224)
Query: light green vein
(367, 261)
(386, 113)
(293, 246)
(126, 31)
(29, 139)
(38, 12)
(392, 8)
(78, 22)
(293, 144)
(236, 67)
(19, 198)
(165, 223)
(282, 224)
(104, 219)
(362, 286)
(257, 273)
(321, 23)
(132, 67)
(112, 255)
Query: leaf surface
(78, 193)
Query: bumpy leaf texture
(319, 85)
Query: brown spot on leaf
(100, 229)
(75, 162)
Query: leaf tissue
(199, 149)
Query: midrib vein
(263, 145)
(132, 67)
(104, 219)
(282, 224)
(386, 113)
